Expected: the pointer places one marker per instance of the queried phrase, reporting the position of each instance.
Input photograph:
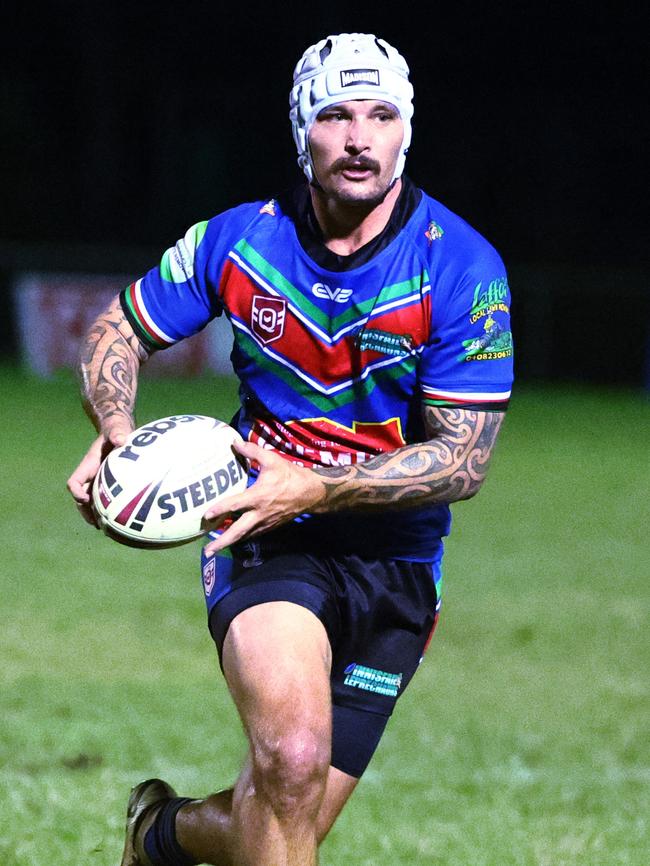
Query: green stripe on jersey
(177, 263)
(331, 324)
(142, 331)
(323, 402)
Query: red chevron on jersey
(321, 442)
(305, 347)
(300, 347)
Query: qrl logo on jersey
(323, 291)
(268, 315)
(209, 574)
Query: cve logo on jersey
(267, 317)
(359, 76)
(323, 291)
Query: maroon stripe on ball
(103, 497)
(143, 513)
(125, 514)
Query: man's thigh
(377, 616)
(276, 659)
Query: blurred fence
(54, 311)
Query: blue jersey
(335, 364)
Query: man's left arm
(449, 466)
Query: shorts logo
(372, 680)
(209, 571)
(359, 76)
(268, 315)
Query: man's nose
(357, 140)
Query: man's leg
(205, 826)
(276, 659)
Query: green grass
(523, 741)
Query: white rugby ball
(154, 489)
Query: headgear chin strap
(341, 68)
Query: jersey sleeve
(468, 360)
(181, 295)
(174, 300)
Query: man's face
(354, 147)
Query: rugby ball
(154, 490)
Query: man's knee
(290, 770)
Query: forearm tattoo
(109, 361)
(451, 465)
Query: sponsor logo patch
(372, 680)
(177, 263)
(268, 315)
(496, 343)
(434, 232)
(490, 298)
(322, 442)
(359, 76)
(397, 345)
(181, 262)
(496, 340)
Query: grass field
(523, 741)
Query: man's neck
(346, 228)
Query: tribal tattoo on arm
(110, 358)
(451, 465)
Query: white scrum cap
(341, 68)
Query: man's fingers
(80, 483)
(78, 490)
(248, 449)
(256, 454)
(117, 438)
(237, 530)
(86, 511)
(116, 435)
(223, 508)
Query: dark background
(124, 123)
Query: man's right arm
(109, 364)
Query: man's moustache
(359, 163)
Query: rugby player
(373, 346)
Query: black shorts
(379, 616)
